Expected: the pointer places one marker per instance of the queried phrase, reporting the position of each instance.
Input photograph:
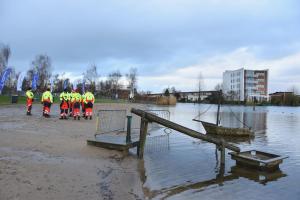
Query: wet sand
(49, 159)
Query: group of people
(70, 103)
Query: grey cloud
(155, 36)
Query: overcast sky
(169, 41)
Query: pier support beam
(222, 153)
(128, 133)
(143, 134)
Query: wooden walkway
(115, 142)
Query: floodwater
(176, 166)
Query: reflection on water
(220, 179)
(238, 117)
(177, 166)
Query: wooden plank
(111, 145)
(182, 129)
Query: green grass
(6, 99)
(110, 100)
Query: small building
(192, 96)
(279, 96)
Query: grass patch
(6, 99)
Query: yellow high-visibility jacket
(29, 94)
(89, 97)
(47, 96)
(73, 96)
(64, 96)
(76, 97)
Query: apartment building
(242, 84)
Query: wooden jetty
(115, 142)
(112, 142)
(257, 159)
(147, 117)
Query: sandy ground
(49, 159)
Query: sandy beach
(49, 159)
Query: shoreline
(49, 159)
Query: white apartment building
(241, 84)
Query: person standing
(30, 96)
(88, 104)
(47, 100)
(71, 105)
(64, 104)
(76, 101)
(82, 104)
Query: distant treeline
(288, 100)
(42, 65)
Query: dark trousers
(29, 109)
(63, 111)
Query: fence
(115, 121)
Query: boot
(90, 117)
(78, 117)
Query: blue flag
(51, 84)
(83, 87)
(65, 84)
(4, 76)
(35, 79)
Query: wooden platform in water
(112, 142)
(258, 160)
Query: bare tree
(11, 82)
(200, 84)
(176, 93)
(218, 87)
(42, 66)
(294, 89)
(132, 79)
(114, 79)
(91, 76)
(4, 56)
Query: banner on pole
(65, 84)
(20, 81)
(4, 76)
(35, 79)
(83, 86)
(51, 84)
(75, 85)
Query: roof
(281, 93)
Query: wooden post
(143, 134)
(219, 105)
(97, 123)
(128, 135)
(222, 152)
